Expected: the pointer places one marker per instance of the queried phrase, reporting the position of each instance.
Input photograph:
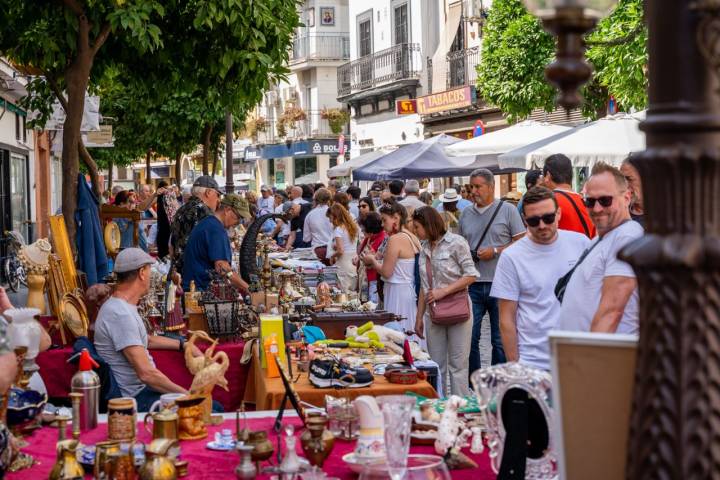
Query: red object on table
(57, 373)
(208, 464)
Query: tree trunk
(215, 157)
(178, 162)
(92, 169)
(110, 175)
(207, 134)
(148, 173)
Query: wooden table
(267, 393)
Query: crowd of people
(441, 264)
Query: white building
(301, 149)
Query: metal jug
(165, 424)
(66, 465)
(158, 465)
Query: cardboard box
(270, 324)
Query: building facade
(293, 140)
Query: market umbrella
(609, 140)
(345, 168)
(424, 159)
(506, 139)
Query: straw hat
(450, 195)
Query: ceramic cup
(165, 400)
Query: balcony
(460, 70)
(314, 126)
(320, 48)
(398, 64)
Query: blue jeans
(147, 396)
(482, 302)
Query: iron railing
(335, 46)
(461, 67)
(399, 62)
(314, 126)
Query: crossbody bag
(451, 309)
(577, 210)
(563, 281)
(473, 253)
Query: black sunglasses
(547, 219)
(604, 201)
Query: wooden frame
(108, 212)
(61, 245)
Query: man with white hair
(204, 201)
(412, 192)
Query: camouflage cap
(238, 204)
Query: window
(365, 34)
(305, 166)
(24, 130)
(18, 135)
(401, 32)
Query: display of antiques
(34, 258)
(515, 400)
(208, 370)
(225, 311)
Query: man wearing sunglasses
(526, 275)
(602, 295)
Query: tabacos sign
(447, 100)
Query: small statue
(195, 364)
(452, 435)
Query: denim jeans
(482, 302)
(147, 396)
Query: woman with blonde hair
(344, 243)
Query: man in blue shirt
(209, 245)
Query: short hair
(127, 277)
(322, 196)
(197, 191)
(354, 192)
(392, 207)
(122, 197)
(426, 198)
(560, 167)
(369, 202)
(536, 195)
(412, 186)
(431, 221)
(116, 189)
(396, 187)
(343, 199)
(334, 184)
(162, 184)
(531, 178)
(485, 174)
(317, 186)
(282, 195)
(372, 223)
(601, 167)
(307, 190)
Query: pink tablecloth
(57, 373)
(207, 464)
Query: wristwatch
(229, 274)
(495, 252)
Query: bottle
(87, 382)
(271, 348)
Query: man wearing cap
(205, 198)
(121, 338)
(209, 245)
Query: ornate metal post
(675, 423)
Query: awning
(344, 169)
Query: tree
(516, 50)
(62, 41)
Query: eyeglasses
(604, 201)
(547, 219)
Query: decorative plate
(74, 314)
(113, 237)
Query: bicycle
(12, 268)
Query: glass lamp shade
(24, 330)
(592, 8)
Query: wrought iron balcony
(461, 69)
(399, 62)
(314, 126)
(329, 47)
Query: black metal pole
(229, 170)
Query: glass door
(19, 195)
(401, 37)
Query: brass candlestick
(21, 380)
(76, 398)
(61, 423)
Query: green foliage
(620, 69)
(515, 51)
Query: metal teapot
(66, 465)
(158, 465)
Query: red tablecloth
(207, 464)
(57, 373)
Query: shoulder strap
(428, 269)
(577, 210)
(487, 227)
(583, 256)
(414, 247)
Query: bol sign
(406, 107)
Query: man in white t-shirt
(602, 294)
(317, 229)
(525, 279)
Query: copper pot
(317, 442)
(262, 447)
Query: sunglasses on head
(604, 201)
(547, 219)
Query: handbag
(452, 309)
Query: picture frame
(290, 391)
(310, 17)
(327, 16)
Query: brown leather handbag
(453, 309)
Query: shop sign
(447, 100)
(406, 107)
(252, 154)
(326, 147)
(100, 139)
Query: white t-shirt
(317, 230)
(527, 273)
(285, 230)
(348, 245)
(583, 292)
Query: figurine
(195, 364)
(452, 435)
